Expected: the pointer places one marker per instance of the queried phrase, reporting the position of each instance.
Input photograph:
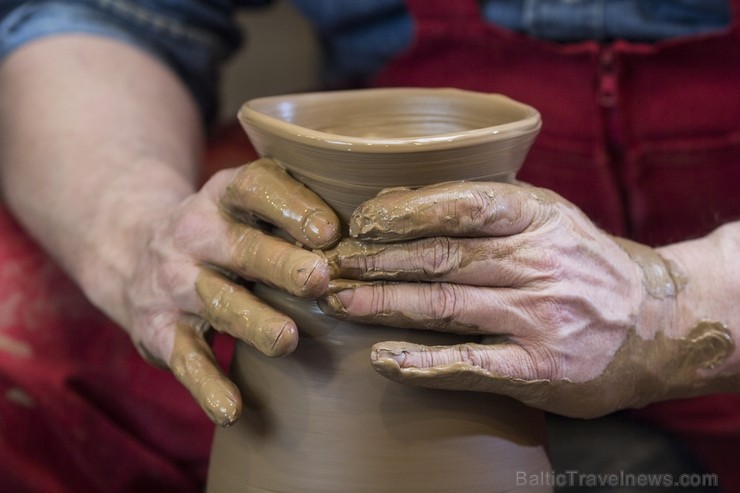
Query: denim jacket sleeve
(192, 37)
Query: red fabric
(80, 411)
(644, 138)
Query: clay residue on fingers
(350, 259)
(274, 261)
(232, 309)
(402, 215)
(266, 191)
(195, 366)
(662, 277)
(641, 372)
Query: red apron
(645, 138)
(80, 411)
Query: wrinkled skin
(187, 280)
(555, 297)
(101, 168)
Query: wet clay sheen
(410, 216)
(661, 276)
(233, 310)
(194, 365)
(265, 190)
(286, 265)
(322, 421)
(642, 371)
(349, 145)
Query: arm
(572, 320)
(99, 158)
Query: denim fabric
(192, 37)
(360, 36)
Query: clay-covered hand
(562, 316)
(190, 277)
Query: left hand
(581, 322)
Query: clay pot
(322, 420)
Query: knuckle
(244, 180)
(480, 205)
(172, 279)
(246, 245)
(551, 312)
(440, 256)
(475, 356)
(190, 224)
(541, 362)
(446, 302)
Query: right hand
(189, 277)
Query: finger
(502, 359)
(444, 307)
(265, 190)
(261, 257)
(505, 369)
(195, 366)
(233, 310)
(501, 369)
(450, 209)
(217, 239)
(473, 261)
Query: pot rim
(253, 115)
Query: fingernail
(321, 228)
(379, 353)
(223, 409)
(282, 340)
(333, 305)
(342, 292)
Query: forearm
(710, 292)
(100, 150)
(98, 139)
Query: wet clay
(265, 190)
(642, 371)
(232, 309)
(348, 145)
(194, 365)
(661, 276)
(321, 420)
(468, 209)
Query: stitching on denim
(157, 21)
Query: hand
(574, 321)
(189, 277)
